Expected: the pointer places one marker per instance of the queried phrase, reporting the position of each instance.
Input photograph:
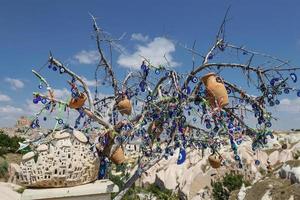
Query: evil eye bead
(60, 121)
(61, 70)
(208, 125)
(268, 124)
(157, 71)
(33, 125)
(277, 102)
(286, 91)
(35, 101)
(257, 162)
(230, 125)
(237, 157)
(44, 101)
(271, 103)
(293, 77)
(194, 79)
(168, 74)
(54, 68)
(228, 90)
(149, 98)
(40, 86)
(50, 66)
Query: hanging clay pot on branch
(215, 90)
(77, 102)
(123, 105)
(117, 156)
(214, 161)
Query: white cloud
(4, 97)
(14, 83)
(87, 57)
(8, 109)
(139, 37)
(62, 94)
(153, 50)
(90, 83)
(289, 105)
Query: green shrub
(10, 144)
(3, 169)
(229, 183)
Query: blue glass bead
(228, 90)
(298, 93)
(257, 162)
(277, 102)
(293, 77)
(157, 71)
(271, 103)
(286, 91)
(45, 118)
(194, 119)
(208, 125)
(194, 79)
(35, 101)
(149, 97)
(40, 86)
(237, 157)
(210, 56)
(54, 68)
(49, 66)
(244, 53)
(60, 121)
(61, 70)
(44, 101)
(230, 125)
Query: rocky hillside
(192, 179)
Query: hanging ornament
(257, 162)
(157, 71)
(293, 77)
(194, 79)
(214, 161)
(181, 156)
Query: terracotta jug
(118, 156)
(124, 106)
(214, 161)
(77, 102)
(215, 90)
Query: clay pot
(124, 106)
(118, 156)
(77, 102)
(214, 161)
(215, 90)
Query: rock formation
(67, 160)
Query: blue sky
(29, 29)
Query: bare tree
(167, 110)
